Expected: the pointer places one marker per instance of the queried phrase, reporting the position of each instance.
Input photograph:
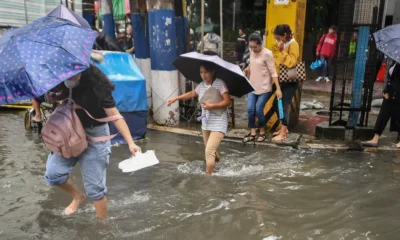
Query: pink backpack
(64, 134)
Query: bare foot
(74, 205)
(276, 133)
(279, 138)
(279, 132)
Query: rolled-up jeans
(93, 163)
(288, 91)
(255, 108)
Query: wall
(16, 13)
(396, 16)
(391, 7)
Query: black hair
(333, 27)
(94, 78)
(128, 24)
(210, 67)
(255, 37)
(284, 31)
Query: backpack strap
(104, 120)
(102, 138)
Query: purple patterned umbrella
(388, 41)
(37, 57)
(62, 12)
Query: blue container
(137, 123)
(280, 108)
(129, 94)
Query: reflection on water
(256, 193)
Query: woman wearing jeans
(91, 90)
(289, 56)
(261, 70)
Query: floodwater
(258, 193)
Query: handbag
(296, 74)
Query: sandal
(249, 138)
(261, 138)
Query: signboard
(281, 2)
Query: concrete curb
(326, 146)
(316, 92)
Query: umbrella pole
(26, 12)
(234, 15)
(202, 27)
(221, 19)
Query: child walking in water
(214, 125)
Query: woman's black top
(393, 85)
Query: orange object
(381, 73)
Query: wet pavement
(256, 193)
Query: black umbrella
(189, 65)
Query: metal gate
(356, 62)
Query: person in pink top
(262, 72)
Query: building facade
(16, 13)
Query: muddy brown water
(258, 193)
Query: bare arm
(123, 128)
(269, 58)
(186, 96)
(131, 50)
(97, 56)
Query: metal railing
(356, 61)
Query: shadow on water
(256, 193)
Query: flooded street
(258, 193)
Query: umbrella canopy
(62, 12)
(38, 56)
(388, 41)
(208, 27)
(189, 65)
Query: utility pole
(202, 26)
(163, 52)
(221, 21)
